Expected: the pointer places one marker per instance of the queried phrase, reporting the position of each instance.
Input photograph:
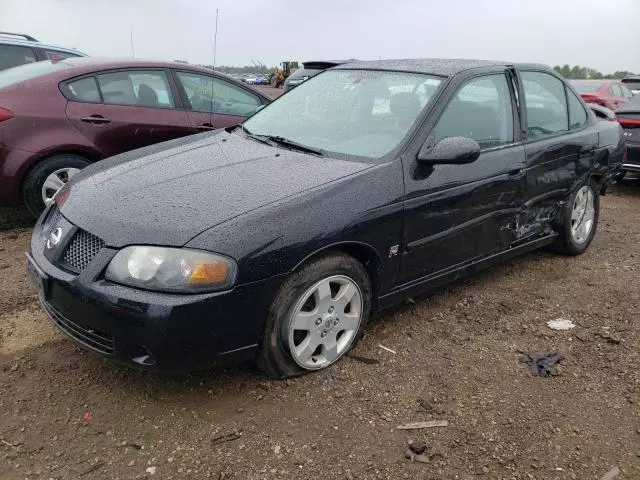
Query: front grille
(82, 248)
(94, 339)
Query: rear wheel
(580, 220)
(316, 317)
(45, 179)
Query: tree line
(578, 72)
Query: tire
(276, 356)
(32, 188)
(571, 241)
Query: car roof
(435, 66)
(79, 66)
(324, 64)
(7, 40)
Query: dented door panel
(458, 213)
(554, 168)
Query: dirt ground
(65, 413)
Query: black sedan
(276, 240)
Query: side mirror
(450, 150)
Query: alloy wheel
(55, 181)
(582, 214)
(324, 322)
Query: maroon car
(607, 93)
(56, 117)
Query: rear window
(304, 72)
(586, 87)
(29, 71)
(632, 84)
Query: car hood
(168, 193)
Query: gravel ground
(65, 413)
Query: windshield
(586, 87)
(352, 112)
(29, 71)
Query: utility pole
(215, 41)
(133, 52)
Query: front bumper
(173, 332)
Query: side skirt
(437, 280)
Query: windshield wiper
(257, 138)
(285, 142)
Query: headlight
(172, 269)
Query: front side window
(577, 113)
(546, 104)
(481, 110)
(352, 112)
(14, 55)
(210, 94)
(136, 87)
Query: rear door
(122, 110)
(213, 102)
(560, 145)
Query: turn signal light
(5, 114)
(209, 273)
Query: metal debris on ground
(415, 458)
(611, 474)
(417, 447)
(427, 424)
(608, 336)
(426, 406)
(387, 349)
(542, 365)
(227, 437)
(367, 360)
(560, 324)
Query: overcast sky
(603, 34)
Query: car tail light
(629, 122)
(5, 114)
(593, 99)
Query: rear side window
(84, 90)
(15, 55)
(615, 90)
(57, 55)
(577, 113)
(136, 87)
(481, 110)
(546, 104)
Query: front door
(455, 214)
(133, 109)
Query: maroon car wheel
(47, 177)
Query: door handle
(515, 172)
(205, 126)
(96, 119)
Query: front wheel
(579, 220)
(316, 317)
